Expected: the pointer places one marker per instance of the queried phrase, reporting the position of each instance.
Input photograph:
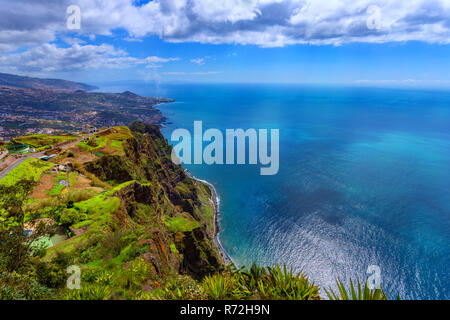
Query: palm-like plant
(284, 284)
(248, 279)
(356, 292)
(217, 287)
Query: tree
(17, 243)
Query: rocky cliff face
(175, 211)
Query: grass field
(29, 169)
(180, 224)
(108, 142)
(43, 140)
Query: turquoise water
(364, 180)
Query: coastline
(216, 201)
(215, 198)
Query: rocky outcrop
(133, 194)
(199, 257)
(109, 168)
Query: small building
(46, 158)
(68, 167)
(87, 128)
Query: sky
(382, 43)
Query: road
(41, 154)
(19, 161)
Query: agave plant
(356, 293)
(217, 287)
(89, 292)
(248, 279)
(284, 284)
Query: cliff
(148, 215)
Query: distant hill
(16, 81)
(69, 102)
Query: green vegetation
(260, 283)
(73, 178)
(95, 211)
(57, 187)
(92, 144)
(180, 224)
(356, 293)
(20, 253)
(39, 141)
(29, 169)
(108, 142)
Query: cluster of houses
(68, 167)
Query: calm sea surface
(364, 180)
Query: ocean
(364, 179)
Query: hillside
(11, 80)
(124, 205)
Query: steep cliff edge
(150, 214)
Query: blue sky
(382, 43)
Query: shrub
(136, 273)
(284, 284)
(356, 293)
(217, 287)
(259, 283)
(114, 243)
(53, 274)
(71, 216)
(70, 204)
(184, 288)
(89, 292)
(14, 286)
(92, 143)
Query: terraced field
(41, 141)
(107, 142)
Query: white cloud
(49, 58)
(260, 22)
(181, 73)
(199, 61)
(28, 28)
